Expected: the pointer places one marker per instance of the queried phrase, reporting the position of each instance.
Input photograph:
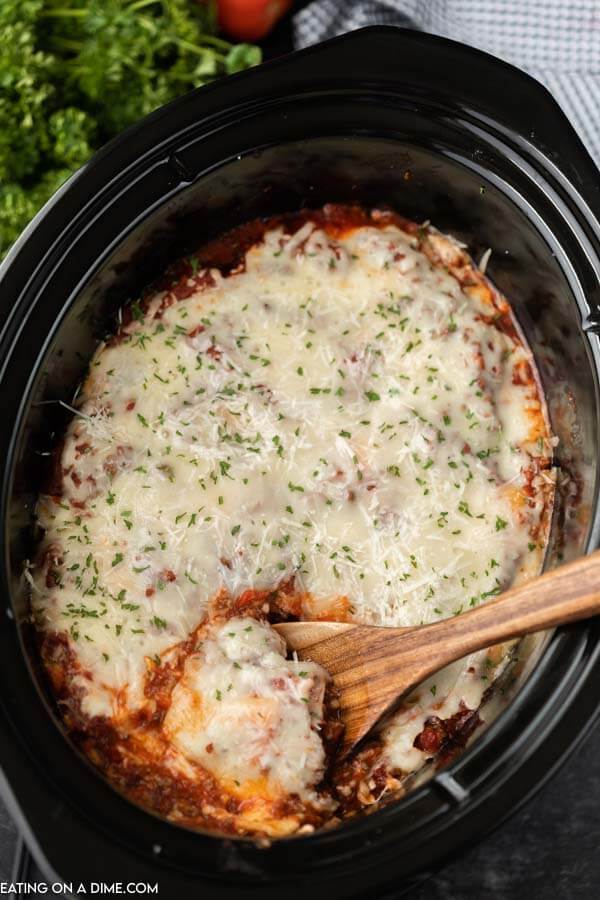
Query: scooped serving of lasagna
(325, 415)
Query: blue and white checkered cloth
(556, 41)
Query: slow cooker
(385, 116)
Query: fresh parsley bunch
(73, 73)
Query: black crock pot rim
(362, 37)
(380, 818)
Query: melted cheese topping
(340, 412)
(240, 684)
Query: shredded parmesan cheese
(341, 412)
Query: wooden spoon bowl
(373, 668)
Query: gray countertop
(548, 849)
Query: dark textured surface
(8, 843)
(549, 849)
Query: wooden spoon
(373, 668)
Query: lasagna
(327, 415)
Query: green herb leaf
(75, 73)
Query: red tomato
(250, 20)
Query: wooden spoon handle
(387, 665)
(564, 595)
(373, 668)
